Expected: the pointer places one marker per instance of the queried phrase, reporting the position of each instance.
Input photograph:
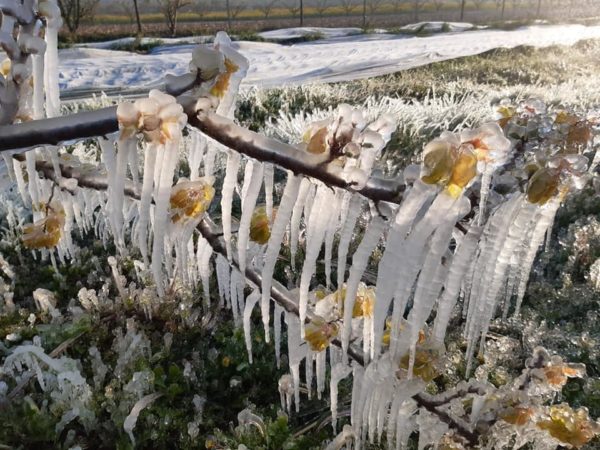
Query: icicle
(316, 227)
(196, 154)
(51, 86)
(251, 302)
(549, 234)
(543, 225)
(392, 258)
(309, 364)
(321, 367)
(288, 200)
(358, 372)
(286, 392)
(458, 269)
(125, 148)
(248, 169)
(234, 297)
(296, 353)
(486, 301)
(269, 176)
(248, 205)
(134, 166)
(305, 187)
(404, 424)
(161, 217)
(278, 310)
(413, 255)
(33, 180)
(112, 262)
(431, 277)
(360, 259)
(349, 222)
(231, 173)
(223, 280)
(203, 254)
(338, 372)
(209, 160)
(330, 234)
(486, 181)
(21, 185)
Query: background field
(113, 19)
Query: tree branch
(67, 129)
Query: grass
(501, 71)
(137, 46)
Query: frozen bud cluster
(46, 232)
(158, 117)
(454, 159)
(319, 333)
(221, 68)
(552, 371)
(556, 177)
(190, 199)
(207, 62)
(569, 427)
(260, 226)
(349, 142)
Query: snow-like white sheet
(337, 59)
(439, 26)
(295, 33)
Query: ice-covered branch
(288, 156)
(65, 129)
(86, 179)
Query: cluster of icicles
(426, 264)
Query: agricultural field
(110, 20)
(103, 347)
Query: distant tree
(479, 3)
(417, 4)
(321, 6)
(74, 12)
(266, 7)
(501, 4)
(462, 9)
(374, 5)
(138, 20)
(437, 4)
(234, 8)
(347, 6)
(127, 9)
(397, 5)
(293, 7)
(170, 9)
